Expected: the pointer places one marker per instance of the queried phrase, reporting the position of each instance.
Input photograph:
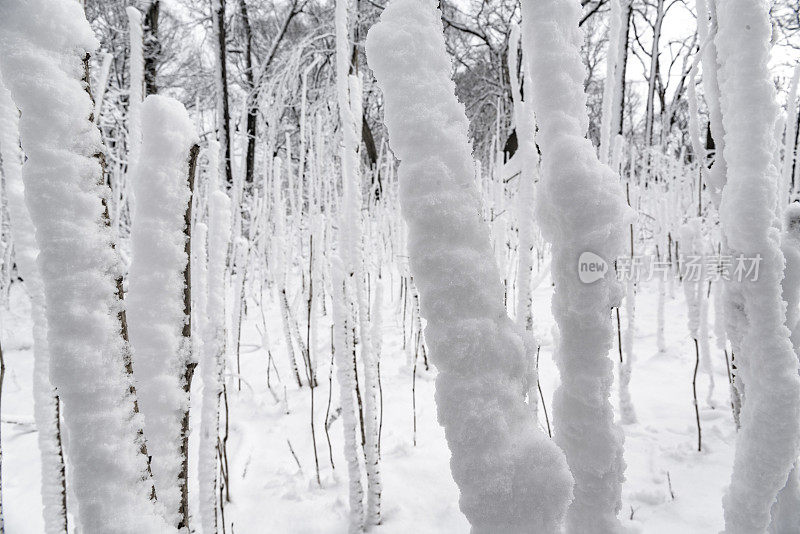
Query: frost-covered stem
(765, 452)
(287, 332)
(618, 105)
(135, 89)
(651, 75)
(159, 305)
(660, 341)
(351, 249)
(477, 349)
(102, 84)
(45, 401)
(2, 378)
(717, 175)
(527, 151)
(212, 364)
(581, 209)
(610, 89)
(705, 348)
(786, 509)
(312, 381)
(345, 375)
(189, 358)
(221, 79)
(694, 394)
(47, 77)
(789, 147)
(625, 368)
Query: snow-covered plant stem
(786, 509)
(135, 97)
(581, 210)
(511, 476)
(765, 452)
(345, 375)
(159, 311)
(44, 45)
(609, 86)
(527, 151)
(45, 401)
(212, 364)
(351, 249)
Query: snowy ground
(270, 494)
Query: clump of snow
(511, 477)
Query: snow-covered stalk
(45, 401)
(135, 97)
(610, 89)
(717, 175)
(529, 155)
(786, 509)
(663, 239)
(212, 364)
(102, 84)
(789, 138)
(765, 451)
(510, 475)
(351, 249)
(221, 90)
(345, 375)
(43, 59)
(158, 312)
(625, 368)
(705, 347)
(581, 210)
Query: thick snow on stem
(581, 209)
(43, 46)
(45, 403)
(786, 509)
(512, 478)
(212, 364)
(156, 280)
(767, 445)
(136, 88)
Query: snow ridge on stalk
(45, 402)
(581, 208)
(156, 314)
(43, 50)
(511, 477)
(767, 445)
